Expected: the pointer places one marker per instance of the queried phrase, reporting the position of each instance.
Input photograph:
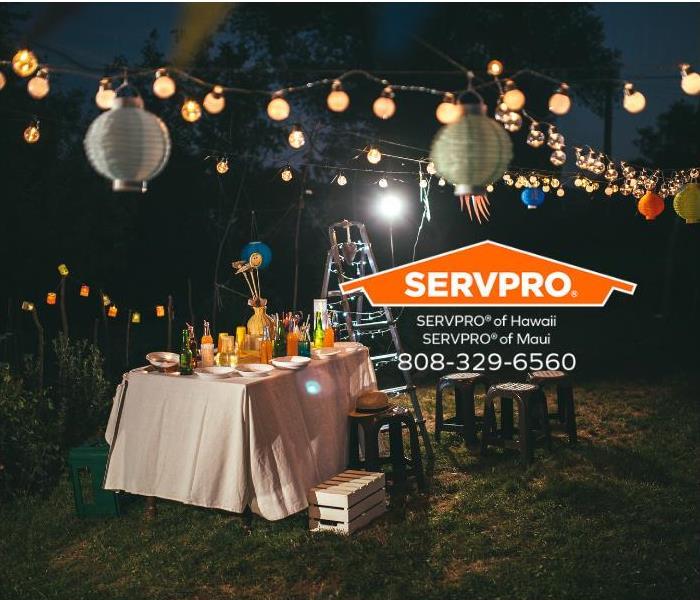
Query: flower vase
(260, 319)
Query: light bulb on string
(384, 107)
(448, 111)
(191, 111)
(214, 101)
(278, 108)
(513, 97)
(690, 82)
(24, 63)
(555, 140)
(633, 101)
(286, 174)
(374, 155)
(105, 94)
(494, 68)
(3, 80)
(296, 137)
(513, 122)
(557, 158)
(559, 101)
(560, 192)
(222, 166)
(38, 86)
(383, 183)
(489, 187)
(430, 168)
(338, 99)
(535, 137)
(422, 183)
(32, 133)
(342, 180)
(441, 182)
(163, 85)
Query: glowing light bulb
(296, 137)
(390, 206)
(32, 133)
(442, 182)
(286, 174)
(38, 86)
(384, 107)
(383, 183)
(342, 180)
(191, 111)
(278, 108)
(690, 82)
(3, 80)
(513, 122)
(214, 101)
(163, 85)
(489, 187)
(423, 183)
(555, 140)
(430, 168)
(513, 97)
(559, 101)
(494, 67)
(374, 155)
(448, 111)
(560, 192)
(222, 166)
(557, 158)
(535, 137)
(633, 101)
(24, 63)
(105, 95)
(338, 99)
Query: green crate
(87, 466)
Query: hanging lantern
(38, 86)
(687, 203)
(258, 254)
(342, 180)
(532, 197)
(651, 205)
(633, 101)
(106, 300)
(191, 111)
(112, 311)
(160, 311)
(494, 68)
(222, 166)
(690, 82)
(514, 99)
(448, 111)
(472, 152)
(163, 85)
(51, 298)
(338, 99)
(32, 133)
(136, 317)
(63, 270)
(128, 145)
(84, 290)
(384, 107)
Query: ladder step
(383, 356)
(401, 389)
(373, 324)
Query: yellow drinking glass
(240, 337)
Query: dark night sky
(653, 39)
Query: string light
(278, 108)
(24, 63)
(105, 95)
(222, 166)
(51, 298)
(191, 111)
(338, 99)
(690, 82)
(112, 312)
(63, 270)
(442, 182)
(383, 183)
(214, 101)
(342, 180)
(430, 168)
(3, 80)
(38, 86)
(557, 158)
(448, 111)
(555, 140)
(494, 68)
(296, 137)
(489, 187)
(106, 300)
(135, 317)
(374, 155)
(163, 85)
(423, 183)
(559, 101)
(535, 137)
(560, 192)
(32, 133)
(286, 174)
(384, 107)
(28, 306)
(512, 121)
(633, 101)
(513, 97)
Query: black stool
(533, 425)
(566, 412)
(465, 420)
(394, 417)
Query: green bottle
(185, 354)
(318, 331)
(279, 347)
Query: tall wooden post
(62, 293)
(170, 323)
(39, 346)
(128, 331)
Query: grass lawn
(615, 517)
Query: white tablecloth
(232, 443)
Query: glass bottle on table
(207, 347)
(265, 346)
(279, 347)
(319, 334)
(293, 339)
(328, 332)
(194, 348)
(304, 345)
(185, 354)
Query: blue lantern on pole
(258, 254)
(532, 197)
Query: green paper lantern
(687, 203)
(472, 152)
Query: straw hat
(372, 401)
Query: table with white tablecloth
(236, 442)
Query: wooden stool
(465, 420)
(394, 418)
(566, 412)
(533, 422)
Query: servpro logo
(488, 274)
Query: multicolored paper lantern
(135, 317)
(258, 254)
(472, 152)
(651, 205)
(687, 203)
(532, 197)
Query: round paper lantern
(257, 254)
(128, 145)
(532, 197)
(650, 205)
(687, 203)
(472, 152)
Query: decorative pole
(39, 345)
(128, 330)
(170, 323)
(62, 293)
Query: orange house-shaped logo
(488, 274)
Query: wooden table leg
(151, 510)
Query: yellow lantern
(84, 290)
(160, 311)
(51, 298)
(38, 86)
(63, 270)
(106, 300)
(222, 166)
(191, 110)
(338, 99)
(24, 63)
(135, 317)
(384, 107)
(112, 311)
(687, 203)
(28, 306)
(278, 108)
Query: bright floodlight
(390, 206)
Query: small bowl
(163, 360)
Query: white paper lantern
(128, 145)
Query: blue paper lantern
(260, 253)
(532, 197)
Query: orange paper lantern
(51, 298)
(160, 311)
(112, 311)
(651, 205)
(84, 290)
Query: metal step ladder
(347, 260)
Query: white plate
(348, 346)
(291, 362)
(163, 360)
(254, 370)
(214, 372)
(325, 352)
